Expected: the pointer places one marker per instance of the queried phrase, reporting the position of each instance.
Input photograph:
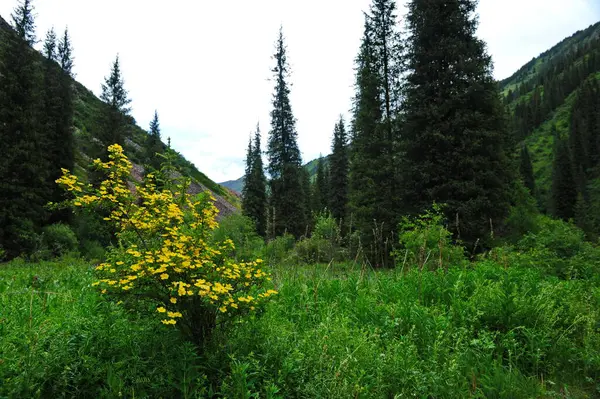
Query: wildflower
(161, 309)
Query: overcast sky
(205, 65)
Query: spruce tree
(285, 162)
(454, 151)
(526, 170)
(366, 156)
(307, 201)
(338, 197)
(154, 145)
(65, 149)
(564, 186)
(117, 101)
(374, 179)
(23, 167)
(246, 199)
(51, 119)
(254, 194)
(320, 187)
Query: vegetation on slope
(87, 110)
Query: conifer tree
(320, 190)
(154, 144)
(23, 193)
(65, 148)
(51, 119)
(374, 179)
(526, 170)
(564, 187)
(246, 199)
(285, 162)
(307, 201)
(453, 145)
(366, 155)
(339, 172)
(115, 96)
(254, 194)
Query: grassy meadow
(491, 329)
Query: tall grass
(483, 332)
(336, 331)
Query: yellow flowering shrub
(163, 261)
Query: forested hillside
(50, 122)
(554, 105)
(86, 121)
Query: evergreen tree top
(113, 89)
(155, 126)
(65, 53)
(24, 21)
(282, 146)
(50, 45)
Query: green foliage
(559, 249)
(114, 122)
(526, 170)
(241, 230)
(59, 239)
(426, 242)
(498, 329)
(92, 251)
(454, 137)
(23, 164)
(373, 170)
(325, 243)
(523, 216)
(338, 199)
(287, 212)
(279, 248)
(154, 145)
(254, 193)
(61, 339)
(564, 186)
(320, 188)
(341, 332)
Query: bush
(425, 240)
(524, 216)
(92, 251)
(327, 228)
(59, 239)
(279, 248)
(164, 262)
(558, 248)
(239, 229)
(324, 244)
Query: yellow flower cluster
(164, 250)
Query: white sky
(205, 65)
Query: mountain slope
(87, 112)
(542, 95)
